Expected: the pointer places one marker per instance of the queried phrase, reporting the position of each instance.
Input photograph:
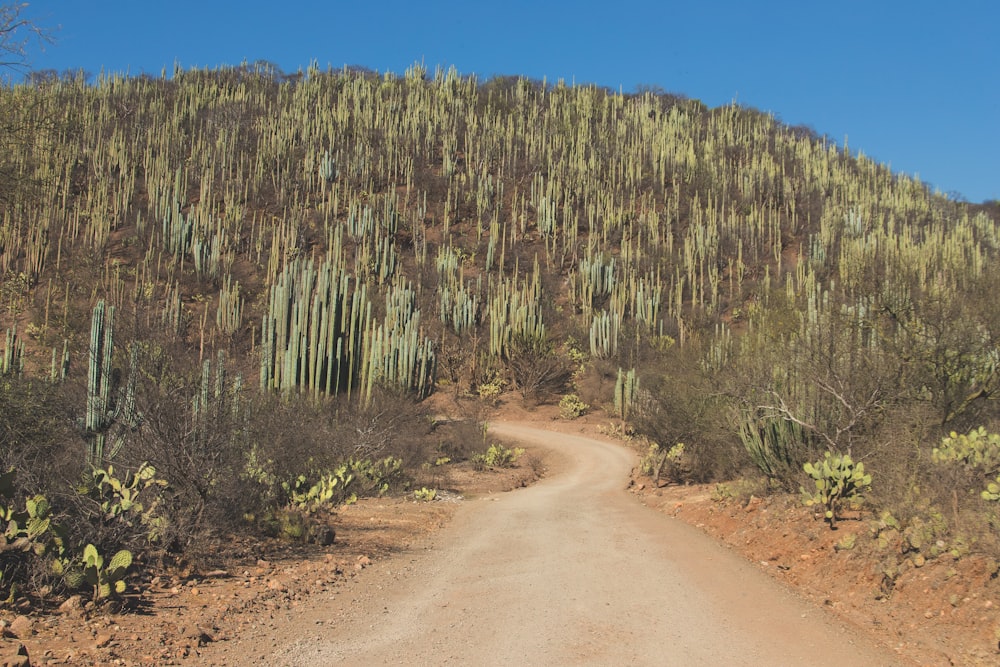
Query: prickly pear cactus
(836, 477)
(109, 579)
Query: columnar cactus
(60, 364)
(102, 326)
(229, 315)
(626, 390)
(327, 170)
(319, 335)
(515, 312)
(12, 360)
(103, 409)
(604, 334)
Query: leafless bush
(38, 437)
(537, 370)
(910, 485)
(393, 424)
(457, 440)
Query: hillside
(253, 282)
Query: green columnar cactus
(460, 308)
(229, 315)
(319, 335)
(646, 295)
(60, 364)
(327, 169)
(604, 334)
(595, 279)
(515, 312)
(396, 356)
(178, 231)
(172, 310)
(626, 390)
(103, 409)
(99, 379)
(12, 360)
(770, 442)
(546, 217)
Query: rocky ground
(940, 611)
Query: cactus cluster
(60, 364)
(515, 311)
(604, 329)
(771, 442)
(978, 449)
(320, 336)
(325, 489)
(498, 456)
(31, 531)
(23, 529)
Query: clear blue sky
(913, 84)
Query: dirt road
(570, 571)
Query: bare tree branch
(853, 413)
(16, 33)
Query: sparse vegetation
(250, 282)
(498, 456)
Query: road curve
(573, 571)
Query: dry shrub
(393, 423)
(679, 405)
(228, 462)
(38, 434)
(537, 370)
(458, 440)
(595, 385)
